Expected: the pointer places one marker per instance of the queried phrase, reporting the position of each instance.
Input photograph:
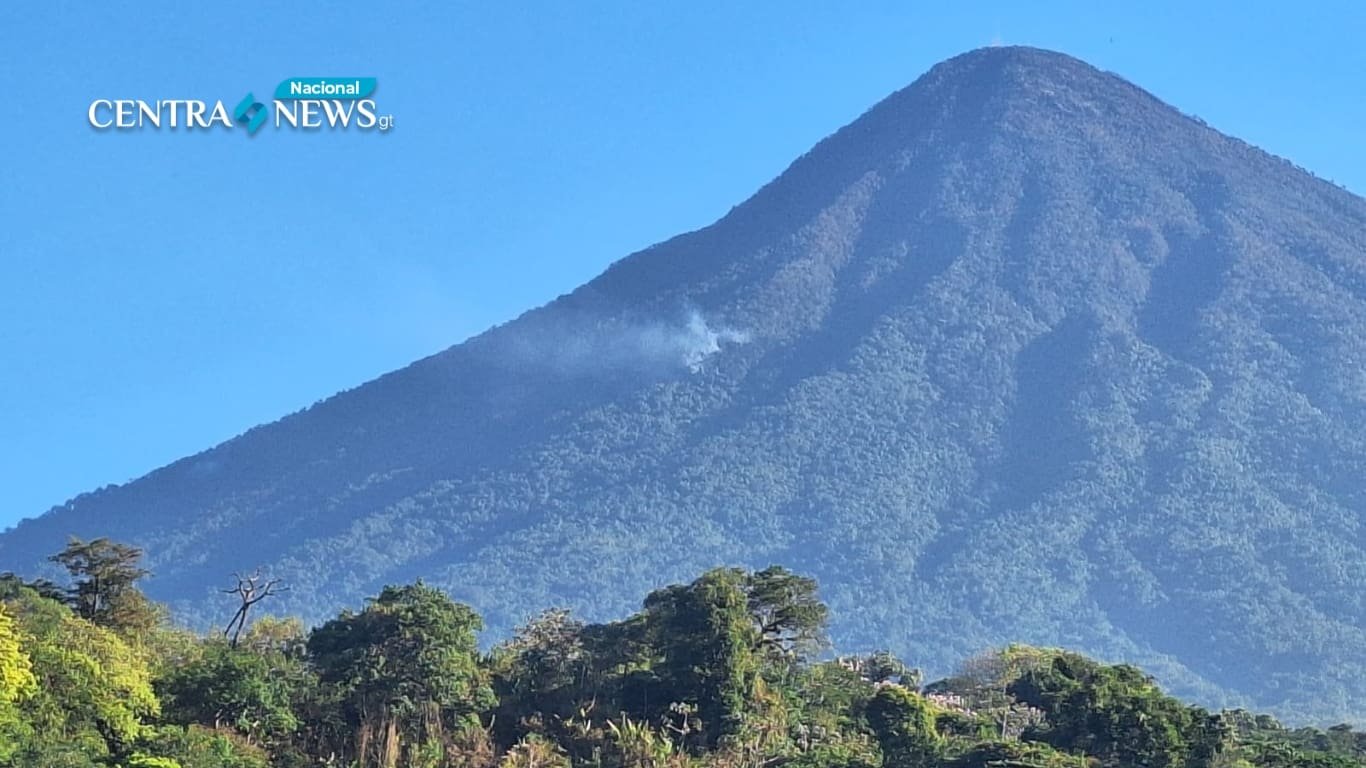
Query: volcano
(1021, 354)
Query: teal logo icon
(250, 112)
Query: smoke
(583, 345)
(691, 344)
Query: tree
(830, 697)
(983, 681)
(104, 585)
(404, 667)
(789, 617)
(904, 725)
(883, 667)
(94, 691)
(228, 687)
(11, 585)
(250, 590)
(16, 684)
(706, 638)
(271, 634)
(1117, 714)
(547, 653)
(540, 675)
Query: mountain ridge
(1022, 350)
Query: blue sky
(163, 291)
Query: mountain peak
(994, 115)
(1002, 58)
(966, 81)
(1010, 87)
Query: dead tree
(250, 590)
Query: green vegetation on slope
(1021, 354)
(726, 671)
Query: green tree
(789, 617)
(11, 585)
(707, 674)
(541, 676)
(904, 725)
(236, 688)
(16, 684)
(403, 668)
(828, 699)
(104, 585)
(94, 691)
(706, 639)
(273, 634)
(1116, 714)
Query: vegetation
(727, 671)
(1022, 354)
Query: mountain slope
(1022, 353)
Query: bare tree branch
(250, 590)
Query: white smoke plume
(698, 340)
(586, 346)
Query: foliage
(94, 691)
(104, 576)
(249, 691)
(403, 668)
(198, 747)
(826, 699)
(1016, 754)
(17, 683)
(850, 754)
(789, 616)
(706, 639)
(713, 673)
(534, 752)
(1117, 714)
(146, 761)
(904, 724)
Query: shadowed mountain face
(1020, 354)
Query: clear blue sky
(162, 292)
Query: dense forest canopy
(730, 670)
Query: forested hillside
(1021, 354)
(727, 671)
